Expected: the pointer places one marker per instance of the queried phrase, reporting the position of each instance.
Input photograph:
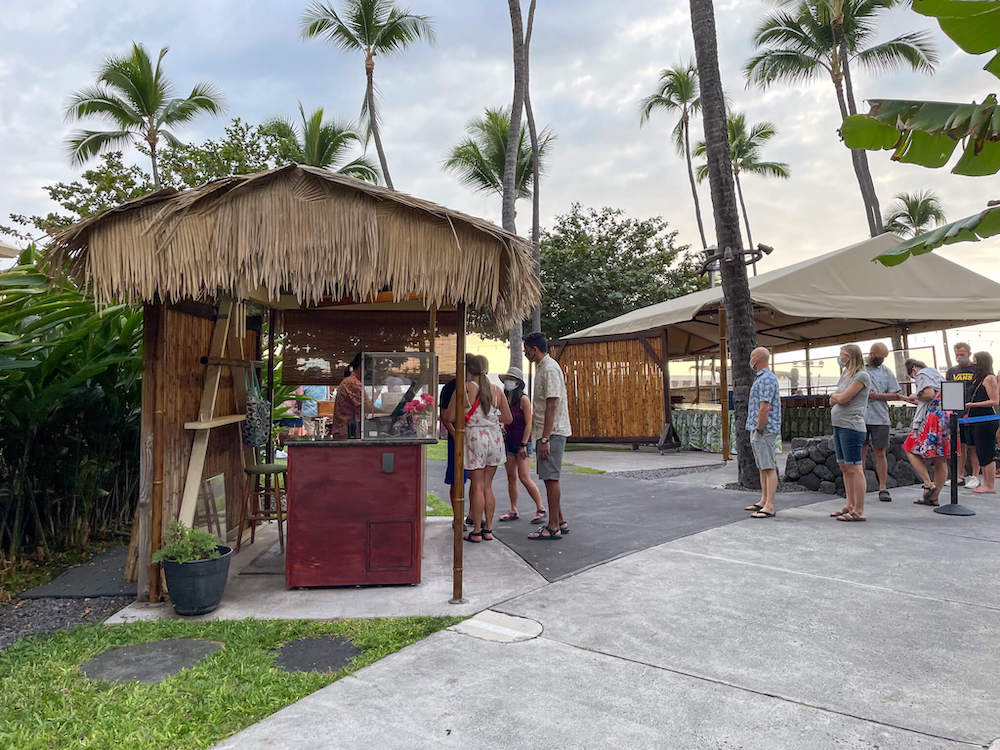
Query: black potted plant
(196, 567)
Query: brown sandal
(852, 516)
(843, 511)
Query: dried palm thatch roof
(302, 231)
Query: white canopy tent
(838, 297)
(6, 251)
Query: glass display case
(401, 395)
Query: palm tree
(744, 154)
(375, 27)
(536, 227)
(677, 91)
(320, 144)
(829, 36)
(136, 99)
(739, 309)
(478, 161)
(914, 213)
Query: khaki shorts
(550, 468)
(765, 448)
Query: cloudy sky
(592, 62)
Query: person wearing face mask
(517, 438)
(929, 438)
(764, 425)
(885, 388)
(964, 372)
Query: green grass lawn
(49, 703)
(437, 507)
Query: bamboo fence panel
(615, 390)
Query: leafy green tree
(829, 36)
(111, 183)
(478, 161)
(928, 133)
(243, 149)
(914, 213)
(598, 264)
(745, 145)
(374, 27)
(677, 91)
(136, 98)
(320, 144)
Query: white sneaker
(971, 483)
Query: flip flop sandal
(468, 521)
(545, 534)
(851, 517)
(884, 496)
(839, 513)
(925, 502)
(754, 508)
(539, 517)
(512, 516)
(475, 537)
(564, 528)
(762, 514)
(484, 532)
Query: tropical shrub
(70, 398)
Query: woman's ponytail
(478, 368)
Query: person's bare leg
(769, 486)
(489, 499)
(857, 476)
(988, 487)
(919, 468)
(476, 499)
(512, 491)
(553, 495)
(940, 475)
(881, 467)
(845, 472)
(524, 474)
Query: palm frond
(321, 19)
(789, 66)
(400, 30)
(915, 50)
(86, 144)
(362, 168)
(204, 97)
(767, 169)
(99, 101)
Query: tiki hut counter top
(206, 261)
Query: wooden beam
(215, 422)
(206, 409)
(159, 440)
(458, 483)
(651, 352)
(724, 382)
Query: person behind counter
(348, 403)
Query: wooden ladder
(205, 422)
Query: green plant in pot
(196, 567)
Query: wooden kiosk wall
(615, 389)
(176, 337)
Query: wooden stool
(263, 503)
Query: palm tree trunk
(510, 161)
(373, 122)
(154, 160)
(838, 85)
(739, 308)
(536, 230)
(746, 217)
(694, 187)
(864, 174)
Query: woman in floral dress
(484, 444)
(929, 438)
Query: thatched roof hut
(303, 232)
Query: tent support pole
(724, 383)
(697, 380)
(668, 436)
(809, 378)
(458, 480)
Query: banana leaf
(970, 229)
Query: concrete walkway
(794, 632)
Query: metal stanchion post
(953, 508)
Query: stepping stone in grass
(150, 662)
(327, 654)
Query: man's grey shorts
(878, 436)
(549, 468)
(764, 449)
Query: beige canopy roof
(6, 251)
(834, 298)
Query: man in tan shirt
(550, 425)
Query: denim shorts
(847, 445)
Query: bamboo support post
(809, 379)
(270, 376)
(159, 441)
(697, 380)
(458, 483)
(724, 382)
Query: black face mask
(876, 361)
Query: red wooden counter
(355, 512)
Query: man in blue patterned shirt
(764, 425)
